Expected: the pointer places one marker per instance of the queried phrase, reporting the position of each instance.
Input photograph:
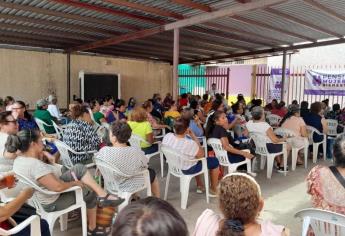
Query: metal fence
(199, 80)
(296, 84)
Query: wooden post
(283, 77)
(227, 83)
(68, 79)
(253, 89)
(176, 61)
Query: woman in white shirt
(129, 160)
(39, 167)
(260, 126)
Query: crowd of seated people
(185, 121)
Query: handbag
(104, 218)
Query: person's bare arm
(324, 125)
(272, 136)
(12, 207)
(53, 184)
(150, 138)
(226, 146)
(303, 131)
(201, 152)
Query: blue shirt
(27, 124)
(196, 129)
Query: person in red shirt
(279, 110)
(184, 100)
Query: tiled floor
(284, 196)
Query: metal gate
(198, 81)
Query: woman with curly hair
(241, 202)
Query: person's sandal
(104, 201)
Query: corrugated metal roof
(68, 23)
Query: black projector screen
(100, 85)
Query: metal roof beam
(326, 10)
(228, 11)
(146, 9)
(267, 26)
(193, 5)
(302, 22)
(181, 23)
(66, 16)
(109, 11)
(272, 50)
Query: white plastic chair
(286, 133)
(261, 149)
(136, 140)
(162, 133)
(323, 223)
(58, 130)
(311, 130)
(222, 156)
(33, 221)
(64, 150)
(40, 123)
(176, 162)
(110, 174)
(273, 119)
(51, 217)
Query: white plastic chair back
(58, 130)
(34, 223)
(40, 123)
(175, 161)
(323, 223)
(111, 175)
(311, 130)
(260, 142)
(64, 153)
(221, 154)
(274, 119)
(135, 141)
(332, 127)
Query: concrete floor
(284, 196)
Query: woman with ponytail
(38, 166)
(240, 202)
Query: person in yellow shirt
(172, 112)
(141, 127)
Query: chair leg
(324, 144)
(306, 156)
(315, 150)
(262, 162)
(294, 154)
(167, 186)
(285, 157)
(84, 219)
(63, 222)
(249, 166)
(51, 221)
(270, 161)
(162, 163)
(184, 192)
(207, 186)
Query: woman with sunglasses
(8, 126)
(25, 120)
